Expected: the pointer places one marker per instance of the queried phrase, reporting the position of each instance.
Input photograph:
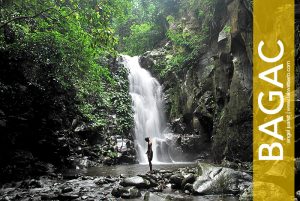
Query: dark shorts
(150, 156)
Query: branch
(24, 17)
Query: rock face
(188, 147)
(211, 95)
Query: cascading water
(148, 106)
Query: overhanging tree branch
(24, 17)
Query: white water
(149, 116)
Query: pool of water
(132, 170)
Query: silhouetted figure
(149, 152)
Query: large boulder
(176, 181)
(129, 192)
(136, 181)
(219, 180)
(188, 179)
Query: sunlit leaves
(67, 42)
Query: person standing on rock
(149, 152)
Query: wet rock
(68, 196)
(31, 184)
(177, 197)
(109, 161)
(219, 180)
(178, 126)
(131, 192)
(152, 178)
(67, 189)
(109, 179)
(147, 196)
(176, 181)
(35, 184)
(126, 192)
(90, 132)
(165, 171)
(51, 196)
(61, 189)
(188, 187)
(117, 191)
(247, 195)
(159, 188)
(167, 175)
(149, 59)
(187, 146)
(5, 199)
(189, 179)
(42, 168)
(136, 181)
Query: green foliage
(227, 29)
(65, 40)
(112, 154)
(121, 101)
(188, 43)
(203, 8)
(140, 38)
(145, 25)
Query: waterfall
(148, 107)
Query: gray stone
(147, 196)
(68, 196)
(131, 192)
(136, 181)
(247, 195)
(67, 190)
(189, 179)
(176, 180)
(117, 191)
(219, 180)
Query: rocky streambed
(202, 181)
